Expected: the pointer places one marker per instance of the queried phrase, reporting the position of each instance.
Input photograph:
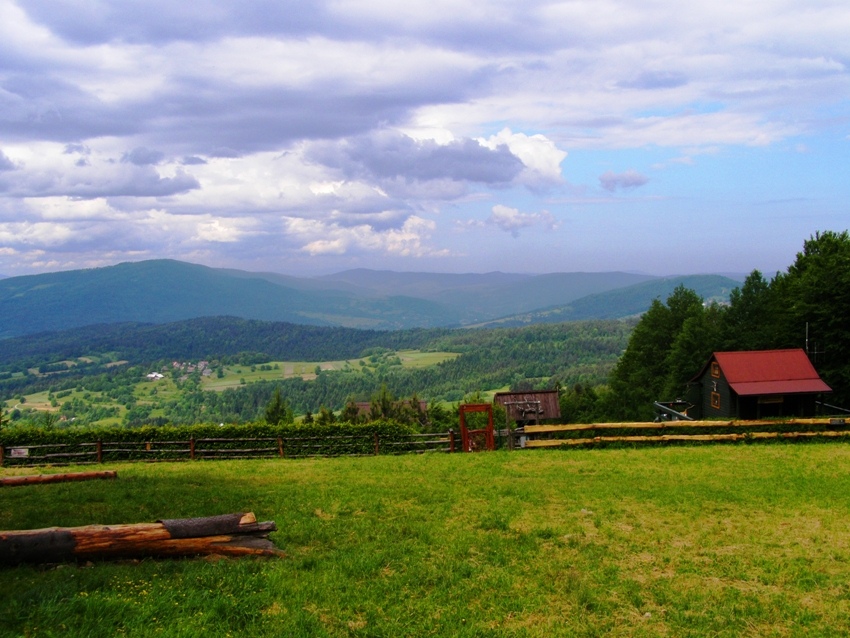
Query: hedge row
(252, 439)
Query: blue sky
(447, 136)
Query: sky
(307, 138)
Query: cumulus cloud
(511, 220)
(628, 180)
(5, 163)
(410, 240)
(388, 155)
(142, 156)
(341, 127)
(540, 157)
(85, 183)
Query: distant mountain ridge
(161, 291)
(623, 302)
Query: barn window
(715, 400)
(715, 369)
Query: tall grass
(684, 541)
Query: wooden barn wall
(728, 399)
(549, 404)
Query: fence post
(192, 448)
(280, 446)
(99, 451)
(451, 440)
(377, 449)
(2, 455)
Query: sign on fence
(19, 452)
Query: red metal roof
(763, 372)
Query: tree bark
(227, 535)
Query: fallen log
(226, 535)
(31, 479)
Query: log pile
(228, 535)
(32, 479)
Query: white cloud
(410, 240)
(541, 157)
(511, 220)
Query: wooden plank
(662, 438)
(580, 427)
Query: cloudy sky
(441, 135)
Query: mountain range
(161, 291)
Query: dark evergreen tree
(751, 322)
(814, 297)
(278, 411)
(643, 372)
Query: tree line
(806, 306)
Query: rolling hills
(162, 291)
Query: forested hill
(83, 362)
(207, 337)
(163, 291)
(624, 302)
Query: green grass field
(275, 370)
(747, 540)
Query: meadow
(235, 375)
(722, 540)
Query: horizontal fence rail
(539, 436)
(223, 448)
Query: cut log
(31, 479)
(227, 535)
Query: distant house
(757, 384)
(154, 376)
(528, 407)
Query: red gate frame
(466, 440)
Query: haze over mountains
(161, 291)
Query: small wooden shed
(527, 407)
(757, 384)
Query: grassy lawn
(677, 541)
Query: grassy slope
(688, 541)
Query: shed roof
(762, 372)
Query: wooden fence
(532, 436)
(537, 436)
(223, 448)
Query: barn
(757, 384)
(530, 407)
